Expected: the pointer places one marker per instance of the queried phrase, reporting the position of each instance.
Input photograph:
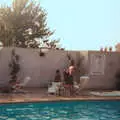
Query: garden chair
(19, 87)
(54, 88)
(78, 87)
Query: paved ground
(40, 94)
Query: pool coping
(41, 95)
(58, 99)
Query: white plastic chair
(25, 81)
(21, 85)
(83, 81)
(54, 88)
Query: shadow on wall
(117, 77)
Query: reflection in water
(77, 110)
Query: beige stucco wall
(106, 81)
(42, 69)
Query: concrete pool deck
(40, 95)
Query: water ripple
(77, 110)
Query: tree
(24, 25)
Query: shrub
(14, 66)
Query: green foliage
(14, 66)
(24, 25)
(80, 66)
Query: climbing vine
(14, 66)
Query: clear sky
(83, 24)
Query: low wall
(41, 70)
(111, 66)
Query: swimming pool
(75, 110)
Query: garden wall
(41, 70)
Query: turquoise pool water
(77, 110)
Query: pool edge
(57, 99)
